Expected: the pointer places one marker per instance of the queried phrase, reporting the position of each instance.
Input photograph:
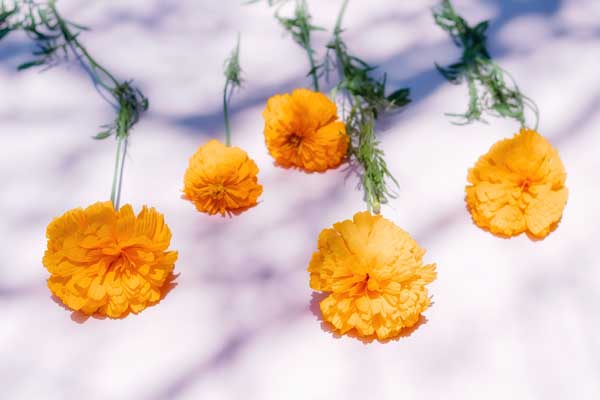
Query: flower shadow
(314, 308)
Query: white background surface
(512, 318)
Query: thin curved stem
(534, 107)
(526, 101)
(74, 42)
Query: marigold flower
(109, 262)
(375, 276)
(518, 186)
(221, 179)
(302, 130)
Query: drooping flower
(221, 179)
(374, 275)
(302, 130)
(518, 186)
(108, 262)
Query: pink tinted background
(511, 319)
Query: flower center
(294, 140)
(525, 184)
(218, 191)
(119, 259)
(372, 283)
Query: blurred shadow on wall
(8, 293)
(577, 125)
(226, 354)
(565, 291)
(14, 51)
(423, 82)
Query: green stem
(96, 66)
(338, 24)
(226, 114)
(313, 69)
(336, 33)
(115, 194)
(72, 40)
(122, 168)
(305, 41)
(128, 113)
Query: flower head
(374, 273)
(109, 262)
(221, 179)
(302, 130)
(518, 186)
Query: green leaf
(481, 27)
(451, 76)
(30, 64)
(4, 32)
(400, 97)
(102, 135)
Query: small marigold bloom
(109, 262)
(221, 179)
(518, 186)
(302, 130)
(375, 276)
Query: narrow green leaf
(102, 135)
(400, 97)
(30, 64)
(482, 27)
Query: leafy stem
(233, 80)
(6, 13)
(56, 39)
(226, 114)
(301, 28)
(367, 98)
(492, 89)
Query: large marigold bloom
(108, 262)
(518, 186)
(374, 273)
(302, 130)
(221, 179)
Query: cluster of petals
(518, 186)
(374, 276)
(221, 180)
(302, 130)
(107, 262)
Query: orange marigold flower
(109, 262)
(518, 186)
(221, 179)
(375, 276)
(302, 130)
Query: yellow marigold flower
(109, 262)
(518, 186)
(221, 179)
(375, 276)
(302, 130)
